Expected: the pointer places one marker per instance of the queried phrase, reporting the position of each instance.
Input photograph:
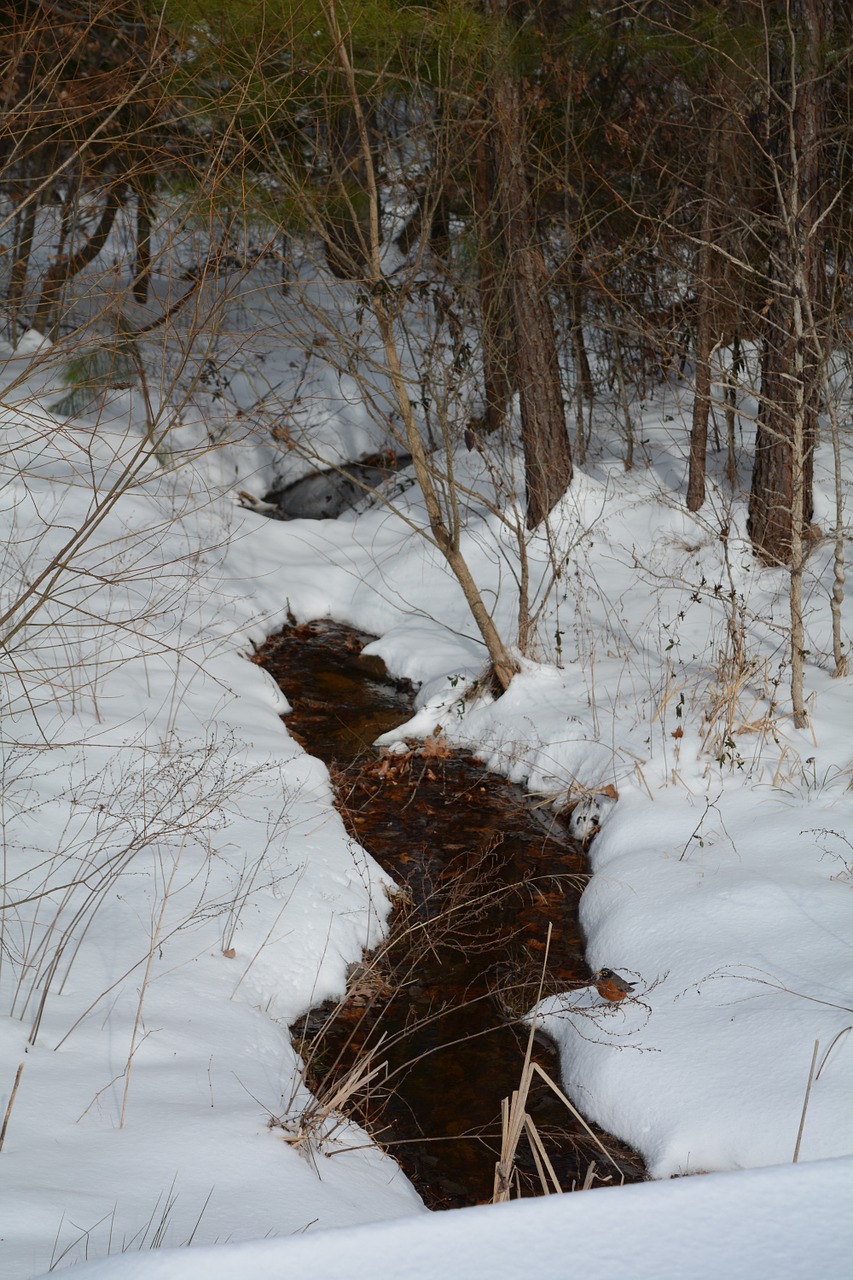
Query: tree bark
(545, 439)
(25, 227)
(584, 393)
(72, 264)
(704, 325)
(491, 282)
(780, 503)
(144, 188)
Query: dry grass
(516, 1122)
(310, 1128)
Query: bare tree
(443, 521)
(781, 502)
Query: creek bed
(482, 875)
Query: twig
(825, 1059)
(514, 1110)
(18, 1074)
(806, 1102)
(566, 1103)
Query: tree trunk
(25, 226)
(584, 393)
(491, 281)
(780, 503)
(704, 325)
(547, 452)
(732, 374)
(784, 421)
(144, 187)
(65, 268)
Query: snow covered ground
(178, 886)
(776, 1222)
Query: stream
(481, 875)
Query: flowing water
(482, 875)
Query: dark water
(482, 875)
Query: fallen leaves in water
(436, 748)
(391, 766)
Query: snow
(179, 886)
(769, 1222)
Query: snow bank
(759, 1225)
